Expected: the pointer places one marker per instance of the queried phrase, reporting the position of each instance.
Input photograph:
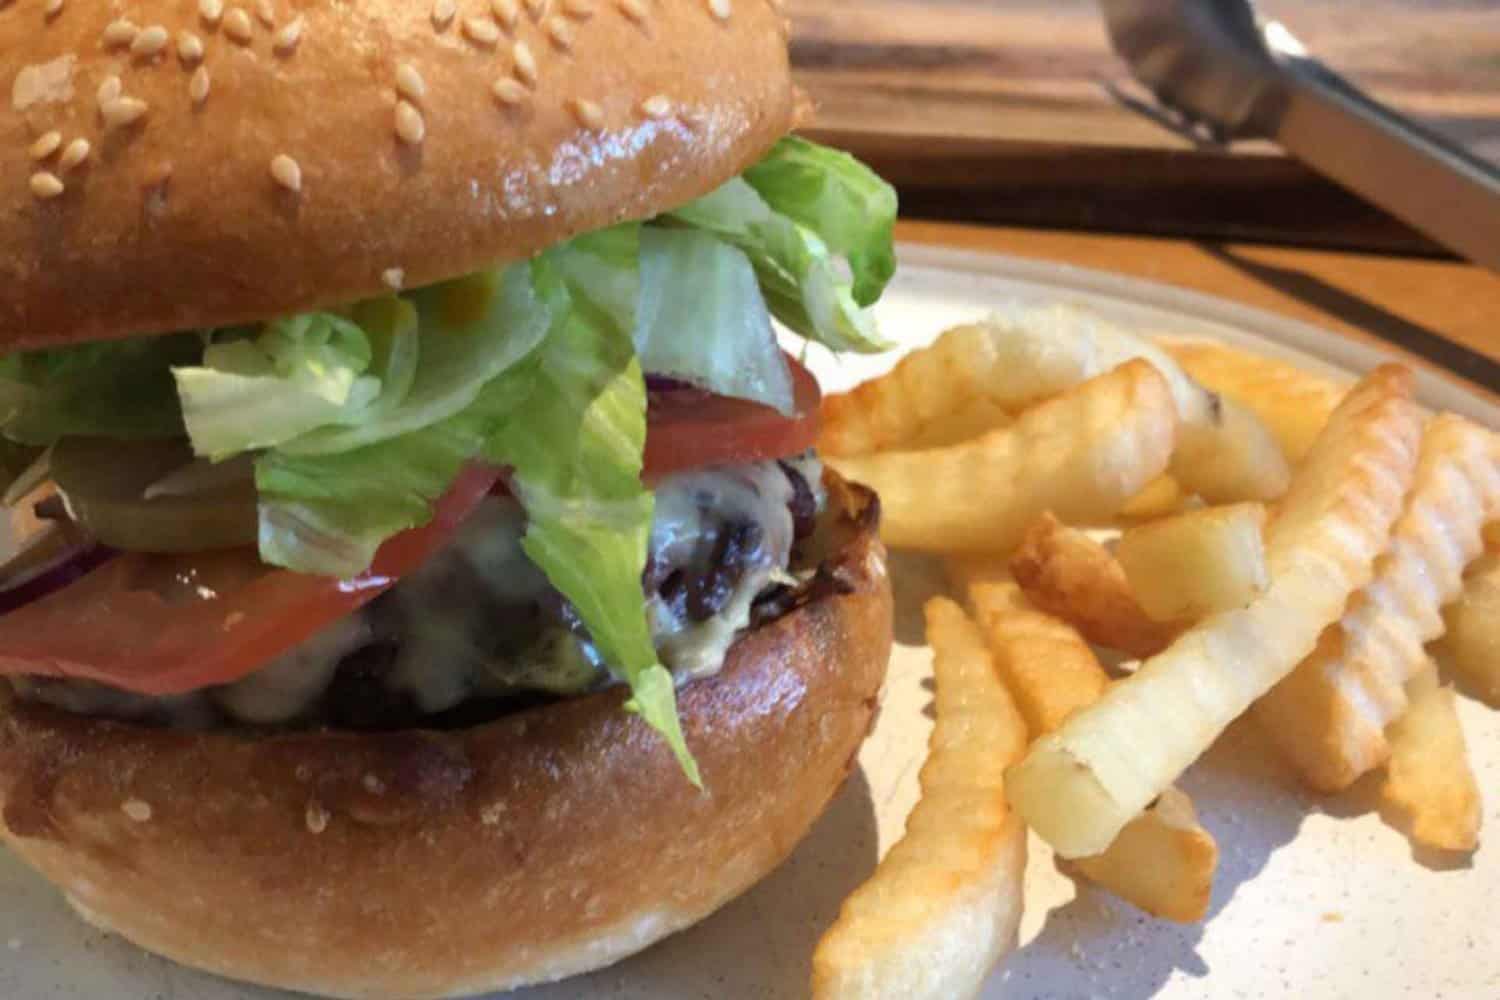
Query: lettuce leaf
(701, 318)
(845, 202)
(260, 391)
(576, 450)
(798, 227)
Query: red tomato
(162, 624)
(689, 428)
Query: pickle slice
(104, 484)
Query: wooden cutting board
(995, 110)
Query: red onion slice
(72, 559)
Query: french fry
(1066, 573)
(978, 416)
(943, 905)
(1194, 564)
(1163, 861)
(1050, 671)
(1028, 354)
(1429, 778)
(1329, 716)
(1162, 496)
(1082, 454)
(1470, 648)
(1293, 404)
(1077, 787)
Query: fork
(1225, 73)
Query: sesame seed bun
(423, 864)
(215, 166)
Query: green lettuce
(576, 449)
(808, 211)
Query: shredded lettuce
(790, 222)
(845, 202)
(701, 318)
(261, 391)
(576, 449)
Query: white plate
(1315, 897)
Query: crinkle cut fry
(1330, 715)
(1079, 786)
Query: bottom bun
(429, 864)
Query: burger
(422, 580)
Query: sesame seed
(317, 817)
(536, 8)
(589, 114)
(123, 111)
(525, 63)
(287, 38)
(109, 91)
(119, 33)
(45, 185)
(266, 13)
(560, 33)
(508, 92)
(393, 278)
(443, 12)
(481, 30)
(149, 42)
(52, 9)
(286, 172)
(656, 106)
(720, 9)
(507, 12)
(373, 784)
(77, 151)
(46, 145)
(579, 10)
(409, 83)
(189, 48)
(410, 128)
(136, 810)
(211, 10)
(198, 85)
(635, 10)
(237, 26)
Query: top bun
(245, 160)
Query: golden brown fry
(966, 422)
(1471, 647)
(1066, 573)
(1192, 565)
(1163, 861)
(1429, 779)
(1329, 716)
(1049, 669)
(1027, 354)
(1162, 496)
(1079, 786)
(1082, 454)
(943, 905)
(1294, 404)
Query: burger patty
(478, 626)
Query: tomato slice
(164, 624)
(688, 428)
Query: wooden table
(1440, 314)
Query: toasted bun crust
(539, 846)
(175, 220)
